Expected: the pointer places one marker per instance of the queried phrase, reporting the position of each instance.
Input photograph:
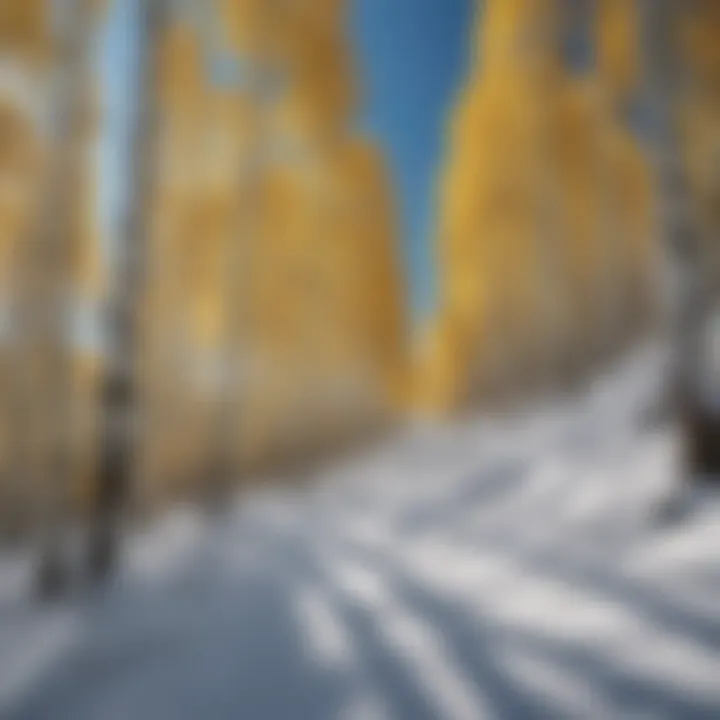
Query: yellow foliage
(317, 306)
(25, 28)
(545, 228)
(618, 46)
(20, 172)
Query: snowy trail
(490, 570)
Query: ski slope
(494, 569)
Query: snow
(500, 568)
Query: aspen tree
(685, 76)
(324, 286)
(48, 261)
(494, 250)
(119, 386)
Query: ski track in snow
(504, 569)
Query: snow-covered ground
(495, 569)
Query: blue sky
(116, 55)
(411, 57)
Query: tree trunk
(119, 398)
(692, 301)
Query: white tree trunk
(119, 413)
(691, 299)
